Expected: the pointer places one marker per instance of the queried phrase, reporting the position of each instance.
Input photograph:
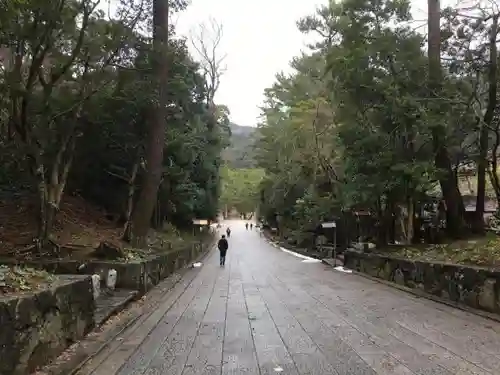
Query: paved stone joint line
(267, 312)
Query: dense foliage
(240, 189)
(368, 122)
(77, 88)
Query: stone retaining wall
(139, 275)
(37, 327)
(472, 286)
(145, 274)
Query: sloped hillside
(240, 153)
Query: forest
(379, 147)
(389, 122)
(108, 127)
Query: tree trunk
(410, 222)
(51, 191)
(127, 230)
(382, 221)
(482, 163)
(495, 182)
(454, 204)
(406, 222)
(156, 136)
(469, 185)
(455, 210)
(157, 222)
(42, 208)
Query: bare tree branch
(206, 42)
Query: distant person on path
(228, 232)
(246, 226)
(251, 226)
(223, 245)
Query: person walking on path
(223, 245)
(251, 226)
(228, 231)
(246, 226)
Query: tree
(156, 135)
(239, 189)
(52, 65)
(471, 42)
(296, 144)
(206, 42)
(454, 205)
(86, 126)
(361, 129)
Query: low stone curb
(300, 252)
(331, 262)
(100, 339)
(112, 303)
(420, 294)
(291, 248)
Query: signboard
(200, 222)
(333, 251)
(332, 224)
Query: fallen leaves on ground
(78, 222)
(79, 225)
(481, 251)
(23, 279)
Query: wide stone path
(269, 312)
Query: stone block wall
(476, 287)
(37, 327)
(144, 274)
(139, 275)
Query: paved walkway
(269, 312)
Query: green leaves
(239, 188)
(349, 127)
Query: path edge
(89, 348)
(420, 294)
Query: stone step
(111, 302)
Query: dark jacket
(223, 245)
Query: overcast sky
(260, 38)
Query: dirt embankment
(77, 223)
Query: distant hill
(240, 153)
